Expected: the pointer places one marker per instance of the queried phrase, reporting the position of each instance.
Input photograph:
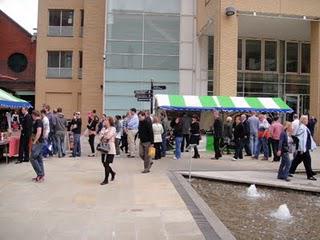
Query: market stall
(205, 104)
(9, 139)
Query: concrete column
(225, 50)
(315, 75)
(93, 51)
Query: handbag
(86, 132)
(151, 152)
(103, 147)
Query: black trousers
(106, 159)
(24, 148)
(157, 146)
(269, 147)
(306, 159)
(239, 146)
(246, 145)
(196, 151)
(185, 139)
(216, 146)
(124, 142)
(91, 142)
(275, 147)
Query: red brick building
(17, 59)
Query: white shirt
(295, 126)
(46, 127)
(157, 132)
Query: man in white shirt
(295, 124)
(46, 131)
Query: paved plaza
(71, 204)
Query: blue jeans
(262, 142)
(76, 145)
(253, 143)
(60, 142)
(36, 159)
(284, 166)
(164, 145)
(178, 141)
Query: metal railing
(63, 31)
(59, 72)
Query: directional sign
(141, 91)
(143, 99)
(143, 95)
(159, 87)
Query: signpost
(147, 95)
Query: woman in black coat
(238, 134)
(195, 135)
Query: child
(284, 153)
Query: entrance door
(293, 101)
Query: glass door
(293, 101)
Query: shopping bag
(151, 152)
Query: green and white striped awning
(221, 103)
(7, 100)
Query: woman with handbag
(157, 136)
(107, 148)
(93, 120)
(195, 135)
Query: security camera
(230, 11)
(104, 57)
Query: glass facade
(142, 44)
(270, 68)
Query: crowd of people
(253, 134)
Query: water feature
(251, 217)
(253, 192)
(282, 213)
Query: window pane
(253, 55)
(305, 58)
(67, 18)
(125, 26)
(261, 88)
(53, 59)
(163, 6)
(80, 59)
(162, 28)
(124, 61)
(136, 5)
(124, 47)
(54, 17)
(270, 56)
(239, 54)
(160, 62)
(210, 52)
(82, 17)
(161, 48)
(292, 57)
(66, 59)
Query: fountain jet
(252, 191)
(282, 213)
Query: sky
(24, 12)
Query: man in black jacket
(76, 130)
(145, 133)
(246, 127)
(26, 131)
(217, 135)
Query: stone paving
(71, 204)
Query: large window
(81, 22)
(292, 57)
(270, 56)
(60, 22)
(59, 64)
(239, 54)
(143, 41)
(305, 58)
(253, 55)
